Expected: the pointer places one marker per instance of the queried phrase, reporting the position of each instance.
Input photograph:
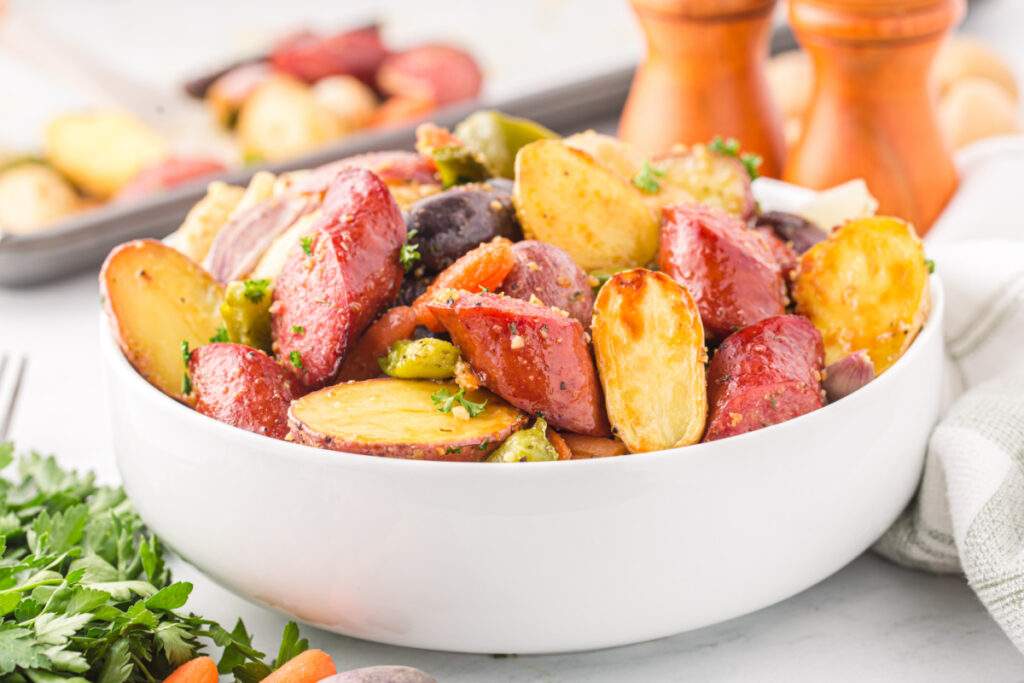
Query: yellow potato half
(649, 345)
(155, 298)
(566, 198)
(865, 288)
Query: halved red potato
(243, 387)
(169, 173)
(441, 74)
(649, 345)
(156, 298)
(545, 273)
(409, 176)
(310, 57)
(700, 175)
(534, 357)
(325, 298)
(397, 418)
(764, 374)
(729, 270)
(783, 252)
(865, 288)
(564, 197)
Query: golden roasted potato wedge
(649, 344)
(155, 299)
(400, 418)
(282, 119)
(102, 151)
(865, 288)
(205, 220)
(566, 198)
(615, 154)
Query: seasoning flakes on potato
(865, 288)
(156, 298)
(649, 344)
(399, 418)
(564, 197)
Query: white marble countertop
(870, 621)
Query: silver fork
(12, 370)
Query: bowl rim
(303, 454)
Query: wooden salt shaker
(871, 114)
(704, 76)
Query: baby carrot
(309, 667)
(482, 268)
(198, 670)
(361, 360)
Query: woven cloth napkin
(968, 514)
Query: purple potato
(549, 273)
(847, 375)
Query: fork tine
(9, 389)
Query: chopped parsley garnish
(186, 380)
(186, 355)
(296, 358)
(647, 179)
(221, 336)
(930, 265)
(444, 401)
(410, 252)
(255, 290)
(186, 384)
(730, 147)
(298, 329)
(307, 244)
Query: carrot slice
(583, 446)
(198, 670)
(361, 361)
(480, 269)
(309, 667)
(564, 452)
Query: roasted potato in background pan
(101, 151)
(399, 418)
(155, 299)
(564, 197)
(865, 288)
(649, 345)
(33, 196)
(282, 119)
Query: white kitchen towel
(968, 514)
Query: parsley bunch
(85, 594)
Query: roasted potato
(847, 375)
(227, 93)
(649, 345)
(409, 176)
(700, 175)
(310, 57)
(242, 242)
(34, 196)
(547, 274)
(399, 418)
(455, 221)
(566, 198)
(282, 119)
(582, 446)
(167, 174)
(764, 374)
(101, 151)
(976, 108)
(729, 269)
(534, 357)
(324, 299)
(497, 138)
(783, 253)
(865, 288)
(204, 220)
(616, 155)
(433, 73)
(241, 386)
(350, 100)
(155, 299)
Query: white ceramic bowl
(529, 558)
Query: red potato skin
(552, 372)
(323, 301)
(310, 57)
(433, 73)
(764, 374)
(243, 387)
(783, 252)
(169, 173)
(393, 168)
(550, 274)
(729, 270)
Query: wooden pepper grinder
(704, 76)
(871, 114)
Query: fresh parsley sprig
(730, 147)
(410, 252)
(647, 179)
(85, 594)
(445, 400)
